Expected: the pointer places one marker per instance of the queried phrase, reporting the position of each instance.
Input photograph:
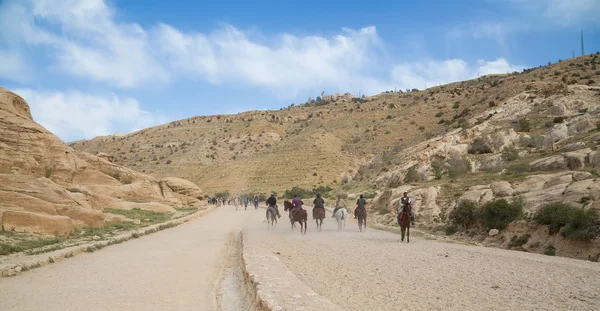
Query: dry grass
(267, 151)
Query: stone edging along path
(277, 288)
(35, 261)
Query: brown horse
(319, 216)
(405, 222)
(300, 216)
(361, 214)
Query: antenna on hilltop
(582, 50)
(573, 53)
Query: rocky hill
(529, 138)
(323, 143)
(47, 187)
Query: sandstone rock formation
(47, 187)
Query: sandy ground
(174, 269)
(373, 270)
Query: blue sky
(96, 67)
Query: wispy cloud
(561, 12)
(73, 115)
(431, 73)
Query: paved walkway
(174, 269)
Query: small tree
(458, 166)
(523, 125)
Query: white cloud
(74, 115)
(289, 65)
(431, 73)
(90, 42)
(14, 68)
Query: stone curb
(36, 261)
(277, 288)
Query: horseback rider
(361, 203)
(297, 202)
(405, 201)
(272, 202)
(339, 203)
(318, 203)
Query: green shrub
(439, 114)
(554, 215)
(450, 230)
(523, 125)
(465, 214)
(49, 171)
(510, 153)
(550, 251)
(598, 126)
(498, 214)
(458, 166)
(480, 145)
(558, 120)
(368, 195)
(456, 105)
(583, 225)
(517, 241)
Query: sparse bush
(510, 154)
(550, 250)
(49, 171)
(168, 162)
(389, 117)
(499, 213)
(412, 175)
(450, 230)
(439, 114)
(128, 179)
(438, 169)
(558, 120)
(517, 241)
(116, 175)
(518, 168)
(523, 125)
(480, 145)
(465, 214)
(456, 105)
(458, 166)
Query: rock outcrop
(47, 187)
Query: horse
(404, 220)
(300, 216)
(271, 217)
(319, 216)
(340, 216)
(361, 214)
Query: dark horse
(300, 216)
(271, 217)
(319, 216)
(361, 214)
(404, 221)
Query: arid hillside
(326, 142)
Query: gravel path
(174, 269)
(374, 271)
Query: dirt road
(174, 269)
(373, 270)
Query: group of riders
(318, 203)
(241, 200)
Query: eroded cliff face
(49, 188)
